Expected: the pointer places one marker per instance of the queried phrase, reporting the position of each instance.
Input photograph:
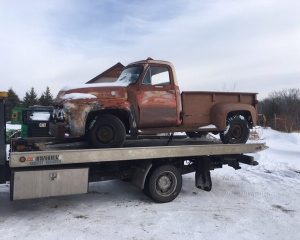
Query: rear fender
(221, 111)
(140, 174)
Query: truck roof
(152, 61)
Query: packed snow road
(261, 202)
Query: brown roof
(112, 72)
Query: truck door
(157, 99)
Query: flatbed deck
(60, 154)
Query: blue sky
(214, 45)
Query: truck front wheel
(107, 132)
(164, 184)
(237, 130)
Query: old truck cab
(154, 95)
(146, 99)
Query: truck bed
(197, 105)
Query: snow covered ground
(261, 202)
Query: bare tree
(282, 109)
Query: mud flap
(202, 174)
(203, 180)
(4, 174)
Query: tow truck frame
(153, 165)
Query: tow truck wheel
(164, 184)
(237, 130)
(107, 132)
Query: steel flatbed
(178, 149)
(62, 169)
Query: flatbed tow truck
(39, 167)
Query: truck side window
(157, 76)
(160, 76)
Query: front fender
(121, 109)
(76, 115)
(220, 111)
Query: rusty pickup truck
(146, 99)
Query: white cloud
(215, 45)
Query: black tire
(196, 134)
(107, 132)
(164, 184)
(237, 130)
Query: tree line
(281, 110)
(31, 98)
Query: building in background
(109, 75)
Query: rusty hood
(91, 93)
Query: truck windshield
(130, 75)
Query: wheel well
(178, 163)
(245, 114)
(123, 115)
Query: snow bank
(280, 139)
(74, 96)
(283, 152)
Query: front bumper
(70, 118)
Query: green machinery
(17, 119)
(34, 121)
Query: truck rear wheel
(164, 184)
(108, 131)
(237, 130)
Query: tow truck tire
(164, 184)
(237, 131)
(107, 132)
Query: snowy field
(261, 202)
